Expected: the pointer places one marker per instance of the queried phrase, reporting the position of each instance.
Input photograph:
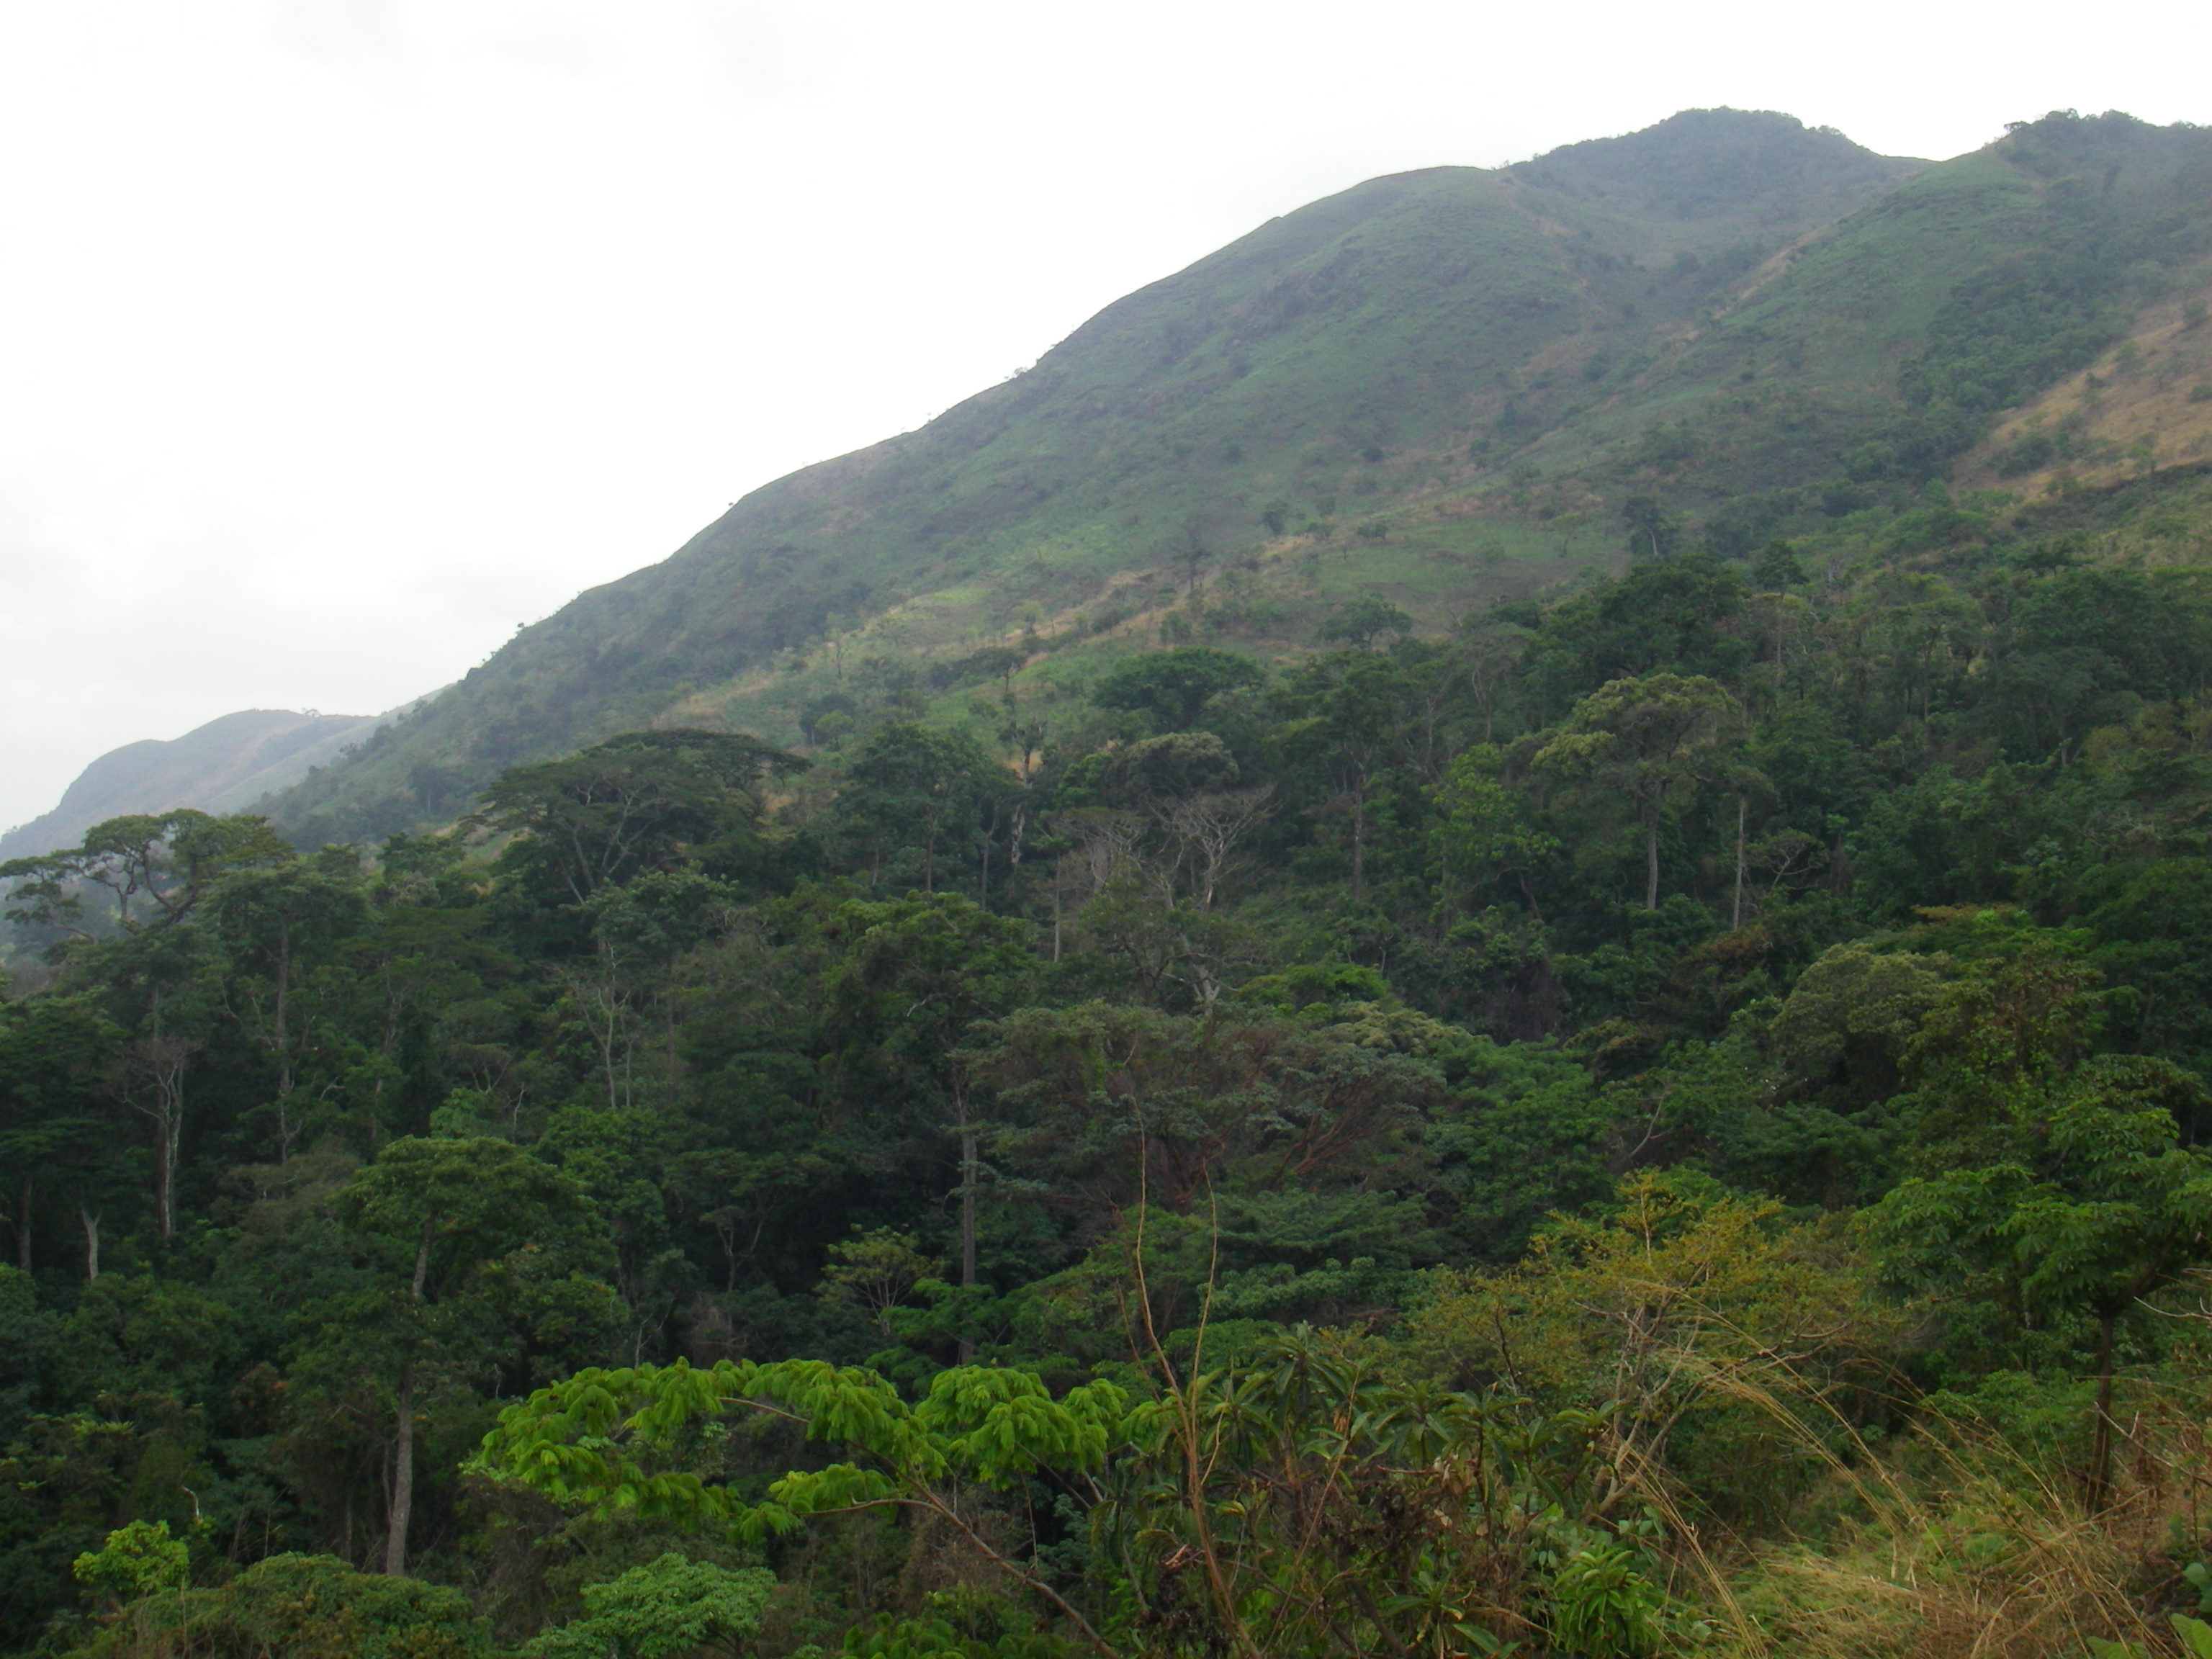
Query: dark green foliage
(314, 1608)
(1174, 687)
(1860, 871)
(1776, 567)
(920, 807)
(648, 800)
(1363, 622)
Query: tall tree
(274, 924)
(1174, 687)
(923, 793)
(1350, 711)
(646, 800)
(54, 1055)
(2094, 1205)
(169, 860)
(1652, 739)
(434, 1218)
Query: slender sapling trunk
(403, 1438)
(1737, 921)
(2100, 1445)
(402, 1479)
(967, 1213)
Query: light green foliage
(875, 1271)
(668, 1606)
(1487, 831)
(2194, 1634)
(1668, 1317)
(1270, 1437)
(138, 1558)
(1602, 1604)
(602, 1438)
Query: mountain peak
(225, 766)
(1707, 163)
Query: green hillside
(1436, 320)
(1439, 387)
(1487, 932)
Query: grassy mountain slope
(2145, 403)
(1439, 388)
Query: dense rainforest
(1669, 1116)
(1557, 1009)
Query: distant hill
(225, 766)
(1440, 388)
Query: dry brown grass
(2137, 395)
(1960, 1546)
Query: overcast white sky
(338, 336)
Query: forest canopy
(1614, 1060)
(1396, 1151)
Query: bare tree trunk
(1651, 861)
(164, 1179)
(403, 1439)
(90, 1220)
(403, 1480)
(1528, 892)
(1359, 842)
(2100, 1446)
(1737, 921)
(161, 1060)
(283, 1035)
(967, 1212)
